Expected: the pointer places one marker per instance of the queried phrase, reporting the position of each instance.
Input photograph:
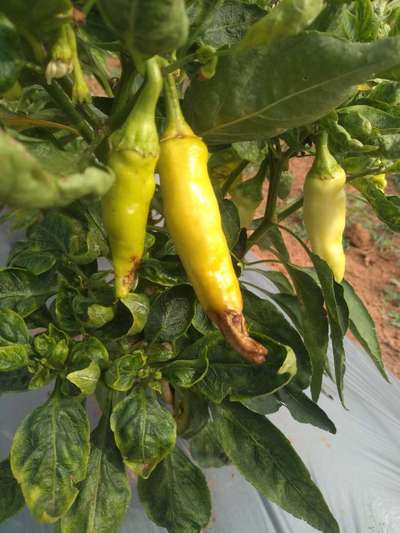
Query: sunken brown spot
(129, 279)
(233, 327)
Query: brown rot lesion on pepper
(125, 283)
(233, 327)
(128, 279)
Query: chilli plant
(125, 288)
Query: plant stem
(231, 178)
(276, 164)
(179, 63)
(176, 125)
(33, 67)
(176, 65)
(260, 262)
(37, 48)
(65, 103)
(139, 131)
(87, 109)
(89, 4)
(124, 98)
(276, 171)
(292, 208)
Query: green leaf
(30, 256)
(291, 307)
(11, 498)
(222, 162)
(165, 273)
(59, 234)
(329, 16)
(170, 314)
(14, 341)
(341, 140)
(23, 292)
(57, 334)
(338, 315)
(93, 247)
(230, 221)
(191, 414)
(185, 374)
(305, 410)
(99, 315)
(201, 15)
(26, 184)
(163, 246)
(251, 151)
(13, 329)
(139, 307)
(291, 85)
(387, 208)
(366, 21)
(130, 316)
(160, 353)
(146, 27)
(15, 381)
(386, 92)
(247, 196)
(200, 321)
(43, 19)
(267, 404)
(229, 375)
(54, 160)
(265, 318)
(86, 379)
(364, 122)
(42, 376)
(63, 311)
(287, 18)
(267, 460)
(206, 449)
(10, 55)
(92, 315)
(104, 495)
(96, 307)
(124, 371)
(279, 280)
(176, 495)
(389, 145)
(144, 431)
(314, 324)
(230, 22)
(88, 350)
(49, 456)
(272, 238)
(55, 352)
(39, 318)
(363, 327)
(13, 357)
(285, 184)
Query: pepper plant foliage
(175, 398)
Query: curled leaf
(25, 183)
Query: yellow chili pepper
(324, 208)
(133, 158)
(194, 222)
